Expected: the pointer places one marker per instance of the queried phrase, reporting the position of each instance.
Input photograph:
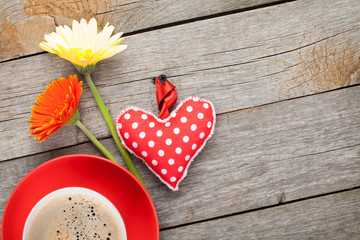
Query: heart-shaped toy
(168, 146)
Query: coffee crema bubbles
(74, 216)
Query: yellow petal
(95, 58)
(87, 54)
(50, 41)
(45, 47)
(114, 39)
(59, 40)
(104, 36)
(118, 41)
(83, 45)
(70, 37)
(114, 50)
(66, 34)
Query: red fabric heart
(168, 146)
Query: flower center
(80, 54)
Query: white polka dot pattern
(151, 144)
(178, 150)
(171, 161)
(168, 146)
(161, 153)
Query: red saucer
(88, 171)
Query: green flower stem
(95, 141)
(129, 163)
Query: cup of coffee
(74, 213)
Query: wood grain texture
(333, 217)
(24, 22)
(258, 157)
(261, 59)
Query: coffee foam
(74, 216)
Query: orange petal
(55, 107)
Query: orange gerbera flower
(57, 106)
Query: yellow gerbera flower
(83, 45)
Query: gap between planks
(260, 209)
(212, 66)
(173, 24)
(254, 175)
(258, 5)
(217, 115)
(334, 216)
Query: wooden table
(284, 76)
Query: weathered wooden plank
(335, 216)
(258, 157)
(269, 55)
(23, 23)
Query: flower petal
(92, 32)
(76, 31)
(83, 45)
(59, 40)
(46, 47)
(114, 50)
(104, 35)
(114, 39)
(55, 107)
(83, 34)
